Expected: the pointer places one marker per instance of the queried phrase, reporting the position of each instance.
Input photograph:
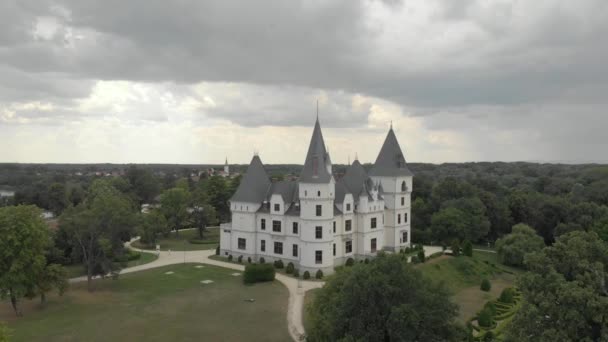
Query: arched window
(403, 186)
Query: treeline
(480, 202)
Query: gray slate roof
(355, 182)
(316, 172)
(287, 189)
(390, 161)
(254, 185)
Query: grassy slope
(153, 306)
(180, 242)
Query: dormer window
(277, 207)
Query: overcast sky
(154, 81)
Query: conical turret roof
(390, 161)
(317, 167)
(254, 184)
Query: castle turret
(316, 193)
(395, 178)
(226, 168)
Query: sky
(151, 81)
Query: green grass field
(181, 242)
(78, 270)
(153, 306)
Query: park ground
(186, 240)
(152, 305)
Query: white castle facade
(318, 222)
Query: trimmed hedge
(421, 256)
(296, 273)
(290, 267)
(350, 262)
(507, 296)
(306, 275)
(278, 264)
(319, 274)
(230, 257)
(262, 260)
(203, 242)
(485, 285)
(217, 250)
(240, 259)
(256, 273)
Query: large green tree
(513, 247)
(24, 237)
(98, 228)
(58, 198)
(52, 276)
(150, 226)
(385, 300)
(565, 292)
(203, 213)
(143, 184)
(174, 205)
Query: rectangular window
(242, 243)
(334, 227)
(318, 232)
(319, 210)
(404, 236)
(348, 225)
(405, 218)
(398, 218)
(318, 257)
(348, 247)
(263, 224)
(402, 200)
(294, 250)
(373, 243)
(276, 226)
(373, 223)
(278, 248)
(263, 245)
(347, 206)
(295, 228)
(334, 249)
(277, 207)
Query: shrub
(366, 260)
(289, 269)
(506, 296)
(278, 264)
(240, 259)
(420, 255)
(485, 285)
(456, 248)
(249, 260)
(491, 307)
(489, 336)
(319, 274)
(255, 273)
(467, 249)
(415, 259)
(350, 262)
(485, 319)
(262, 261)
(306, 275)
(296, 272)
(217, 250)
(230, 257)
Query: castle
(318, 222)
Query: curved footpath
(297, 288)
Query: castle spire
(390, 161)
(317, 165)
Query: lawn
(154, 306)
(181, 241)
(78, 270)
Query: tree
(218, 194)
(150, 225)
(203, 213)
(53, 276)
(476, 223)
(385, 300)
(467, 248)
(143, 183)
(24, 238)
(58, 198)
(174, 205)
(447, 224)
(98, 228)
(565, 292)
(513, 247)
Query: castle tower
(391, 171)
(317, 193)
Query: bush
(485, 285)
(240, 259)
(489, 336)
(202, 242)
(366, 260)
(296, 272)
(456, 248)
(262, 261)
(490, 307)
(319, 274)
(306, 275)
(467, 249)
(420, 256)
(278, 264)
(415, 259)
(289, 269)
(249, 260)
(230, 257)
(507, 296)
(217, 250)
(350, 262)
(255, 273)
(485, 319)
